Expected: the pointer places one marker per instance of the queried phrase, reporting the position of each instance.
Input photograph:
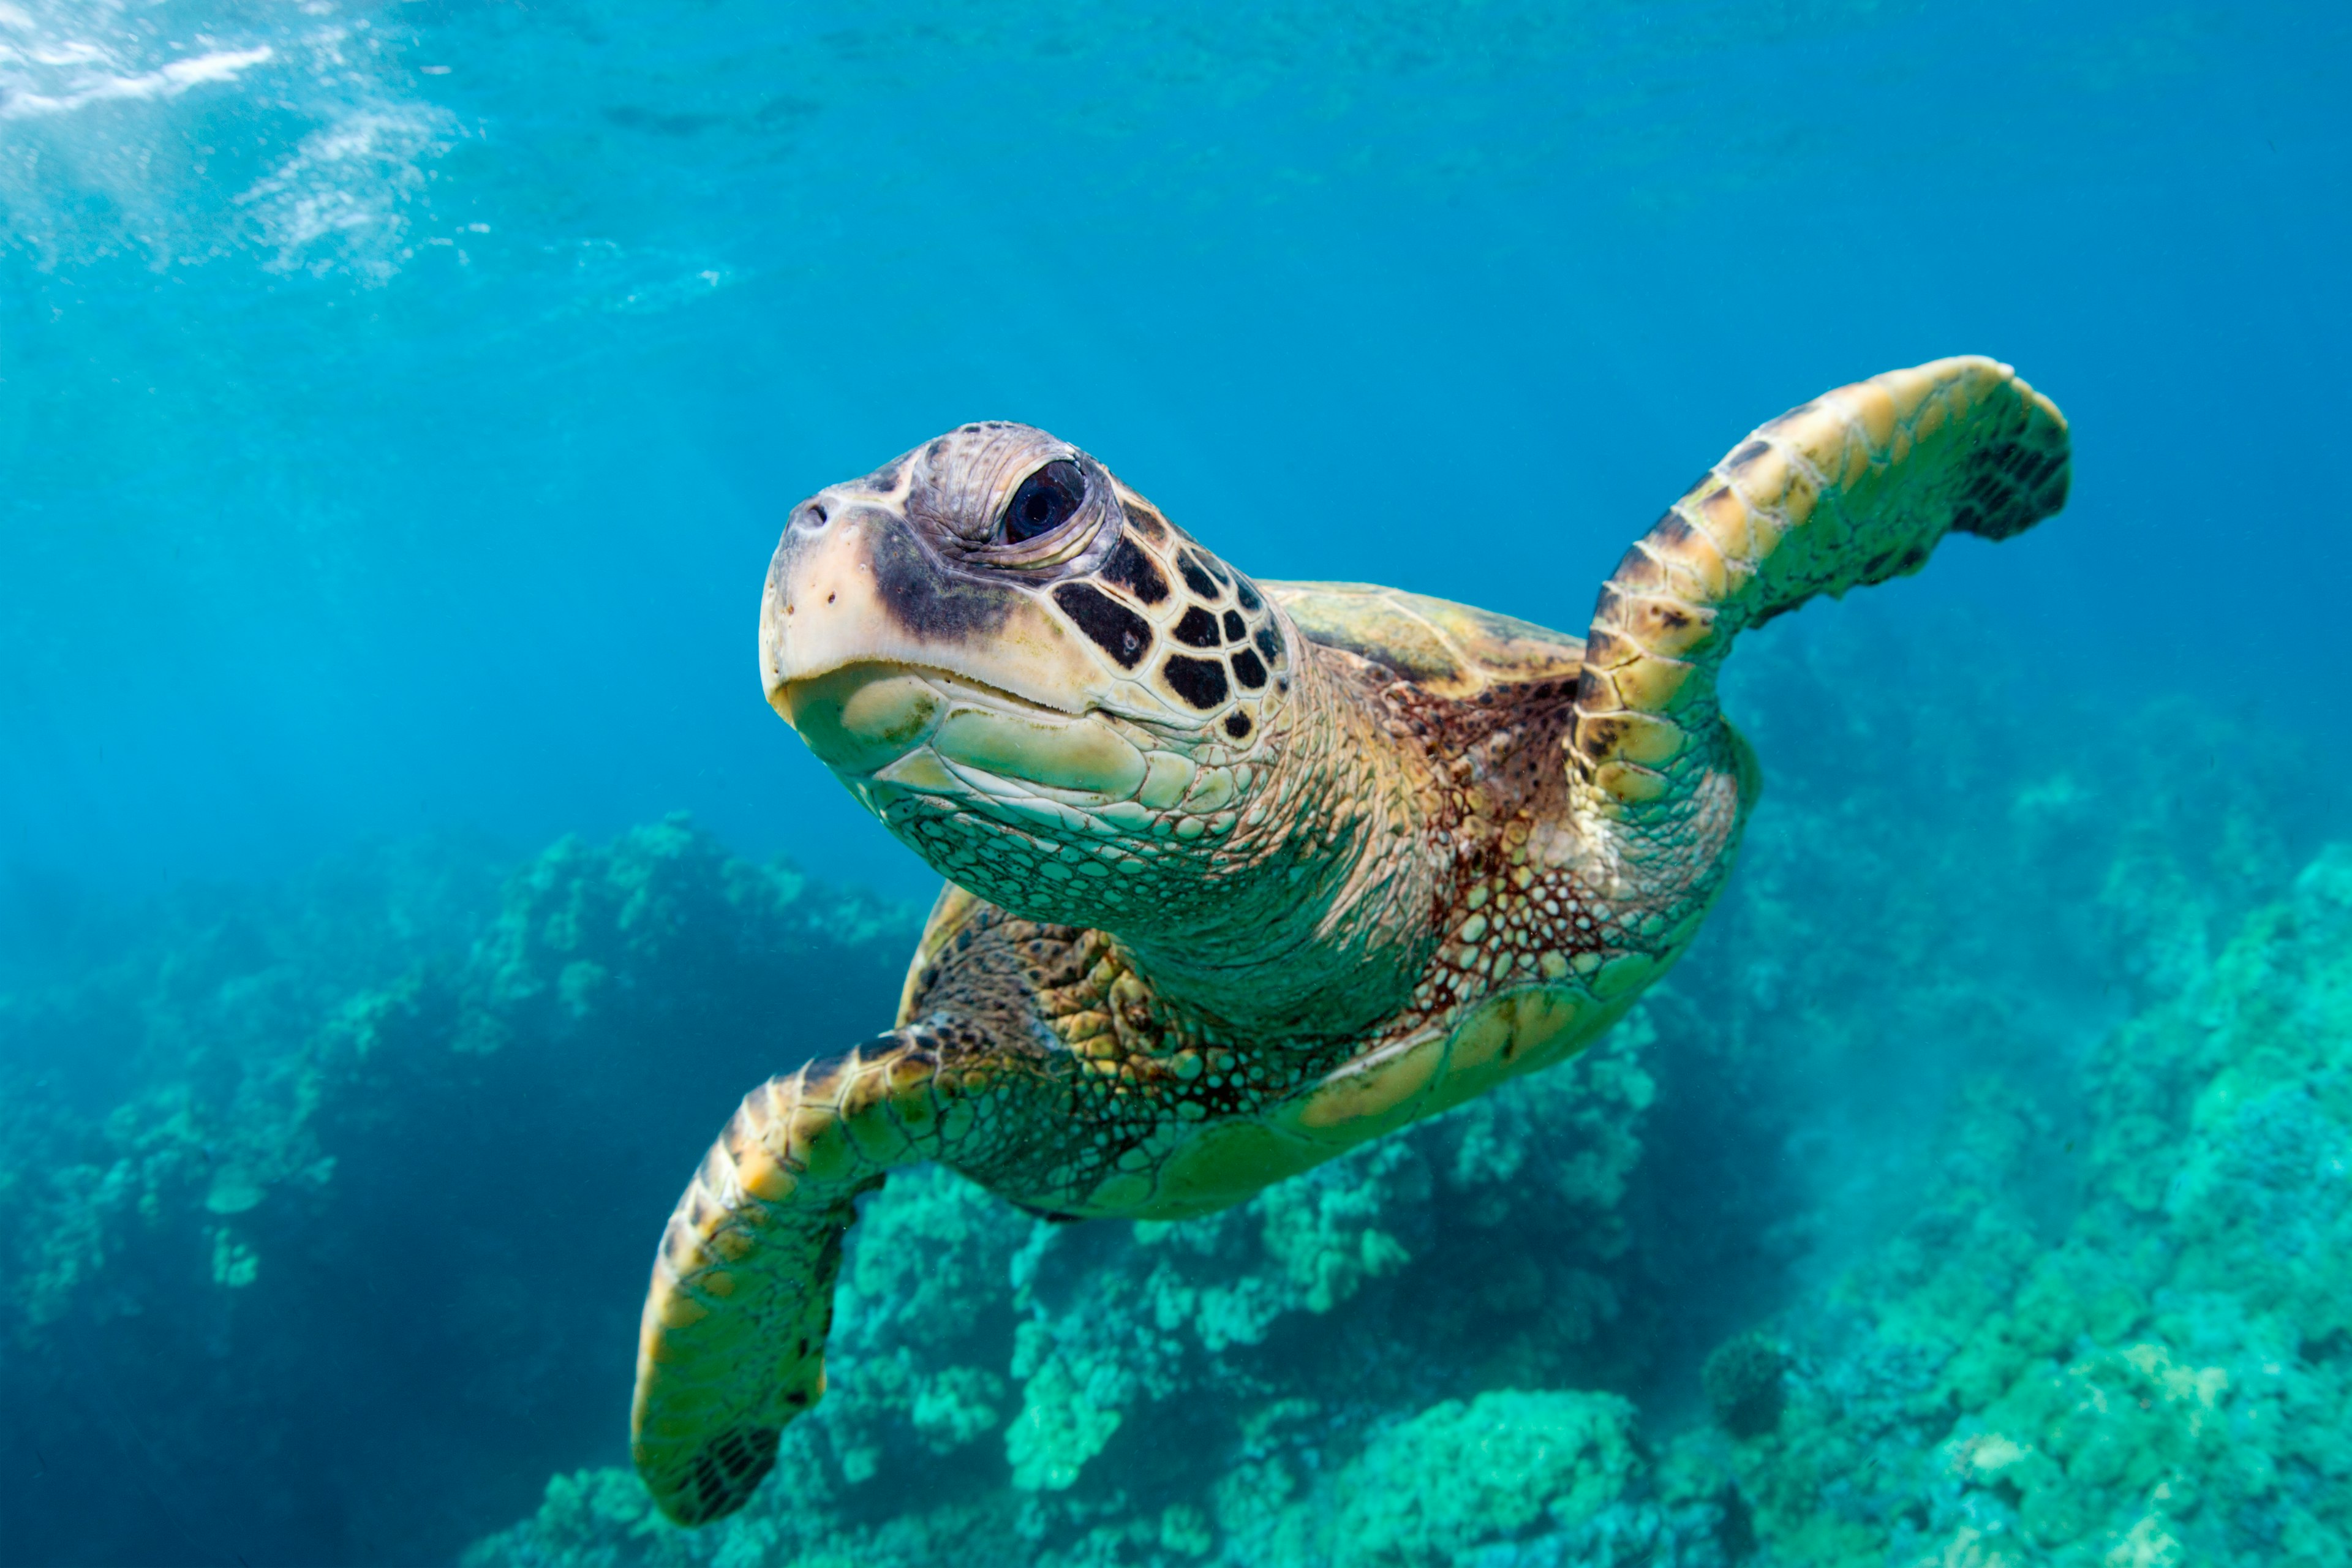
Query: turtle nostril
(813, 514)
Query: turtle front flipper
(1856, 487)
(733, 1345)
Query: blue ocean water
(399, 403)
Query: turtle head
(1043, 686)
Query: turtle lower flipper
(1856, 487)
(732, 1343)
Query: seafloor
(1978, 1192)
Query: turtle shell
(1454, 651)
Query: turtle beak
(824, 553)
(917, 729)
(860, 717)
(891, 666)
(855, 584)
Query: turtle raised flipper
(1853, 488)
(732, 1341)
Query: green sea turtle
(1241, 874)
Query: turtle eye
(1044, 502)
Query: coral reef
(1745, 1383)
(1023, 1352)
(2162, 1379)
(1830, 1255)
(1976, 1193)
(353, 1167)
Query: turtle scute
(1453, 650)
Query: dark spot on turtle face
(1269, 645)
(1234, 629)
(1248, 670)
(1237, 724)
(1195, 576)
(1209, 563)
(1145, 521)
(925, 596)
(937, 450)
(1129, 568)
(1118, 630)
(1197, 629)
(885, 479)
(1199, 681)
(1247, 592)
(1746, 453)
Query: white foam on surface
(89, 80)
(190, 130)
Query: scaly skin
(1207, 927)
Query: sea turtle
(1241, 874)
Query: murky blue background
(399, 401)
